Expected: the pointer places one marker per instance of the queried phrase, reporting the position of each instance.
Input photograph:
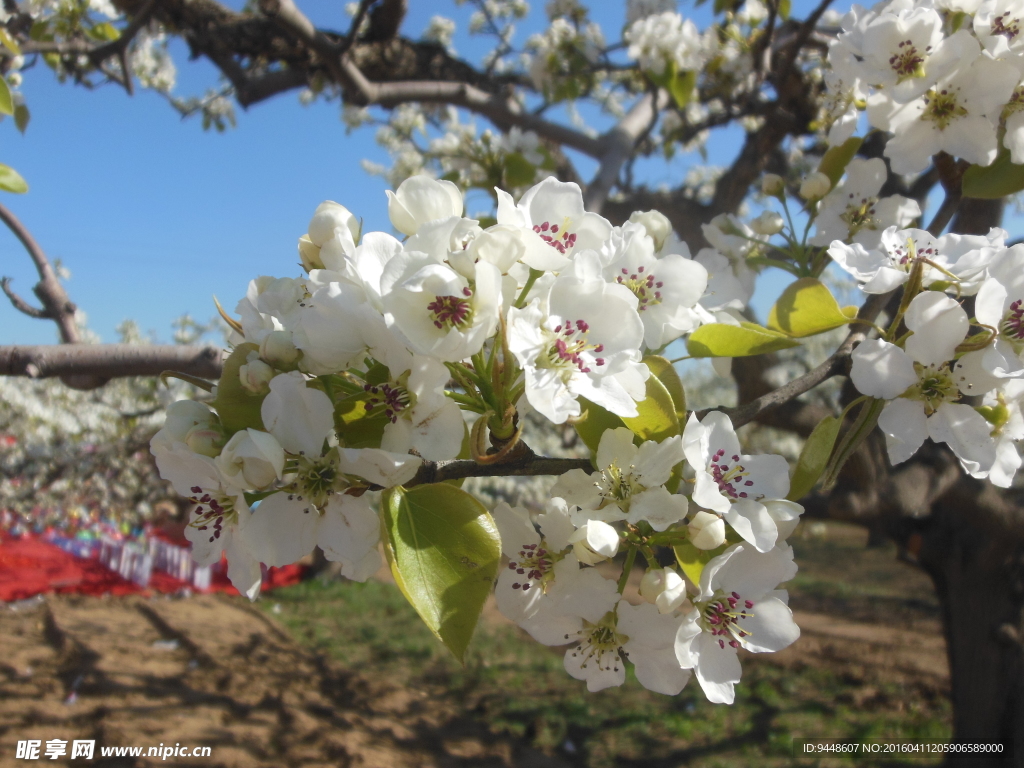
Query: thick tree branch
(620, 143)
(107, 361)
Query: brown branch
(835, 365)
(620, 142)
(19, 303)
(106, 361)
(56, 304)
(525, 464)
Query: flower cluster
(932, 378)
(557, 585)
(344, 380)
(941, 79)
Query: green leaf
(443, 548)
(6, 100)
(656, 418)
(785, 6)
(833, 163)
(1002, 178)
(9, 42)
(814, 458)
(519, 171)
(237, 407)
(105, 31)
(692, 560)
(592, 423)
(668, 376)
(681, 86)
(21, 117)
(11, 181)
(721, 340)
(805, 308)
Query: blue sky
(153, 216)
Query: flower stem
(627, 568)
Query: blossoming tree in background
(358, 395)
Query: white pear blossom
(666, 288)
(853, 211)
(998, 25)
(419, 415)
(584, 342)
(629, 484)
(734, 484)
(440, 312)
(300, 417)
(638, 633)
(957, 115)
(905, 52)
(217, 523)
(888, 266)
(738, 605)
(553, 211)
(536, 560)
(659, 40)
(922, 390)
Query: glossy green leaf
(11, 180)
(21, 117)
(814, 458)
(519, 172)
(656, 418)
(807, 307)
(592, 423)
(668, 376)
(237, 407)
(1002, 178)
(9, 42)
(721, 340)
(692, 560)
(834, 161)
(682, 86)
(105, 31)
(444, 549)
(6, 100)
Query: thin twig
(833, 366)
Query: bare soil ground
(214, 671)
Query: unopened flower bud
(328, 217)
(279, 350)
(663, 587)
(594, 542)
(251, 459)
(205, 439)
(657, 225)
(772, 184)
(309, 254)
(815, 186)
(255, 374)
(707, 530)
(768, 223)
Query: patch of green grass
(512, 685)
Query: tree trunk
(972, 546)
